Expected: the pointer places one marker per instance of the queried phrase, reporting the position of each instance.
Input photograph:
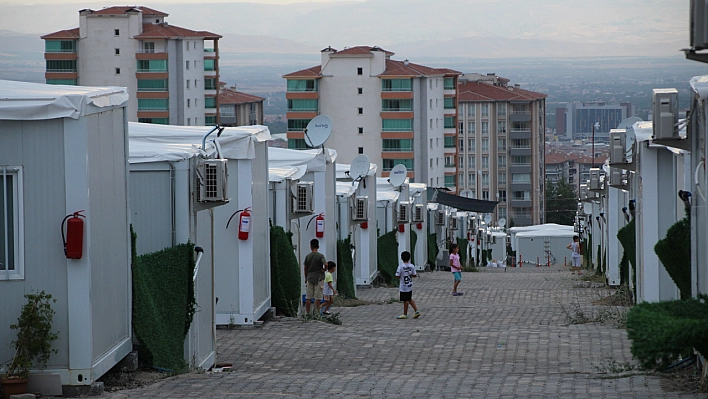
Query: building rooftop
(358, 50)
(165, 31)
(479, 91)
(63, 34)
(230, 96)
(313, 72)
(119, 10)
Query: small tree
(561, 203)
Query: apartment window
(461, 128)
(148, 47)
(361, 150)
(187, 64)
(396, 84)
(448, 162)
(449, 142)
(157, 121)
(485, 128)
(501, 196)
(501, 212)
(520, 178)
(471, 128)
(501, 127)
(485, 162)
(360, 71)
(209, 120)
(152, 65)
(209, 65)
(189, 121)
(461, 163)
(431, 123)
(449, 122)
(59, 46)
(361, 130)
(116, 32)
(397, 125)
(395, 105)
(189, 103)
(501, 110)
(472, 179)
(501, 179)
(117, 71)
(485, 179)
(471, 108)
(521, 143)
(431, 182)
(360, 110)
(431, 144)
(431, 162)
(431, 84)
(501, 144)
(450, 181)
(186, 44)
(230, 111)
(297, 144)
(449, 103)
(431, 103)
(471, 162)
(61, 65)
(303, 85)
(209, 102)
(470, 145)
(11, 223)
(521, 196)
(388, 164)
(399, 145)
(195, 84)
(116, 51)
(485, 110)
(360, 90)
(209, 84)
(485, 195)
(188, 83)
(502, 161)
(520, 160)
(196, 103)
(485, 145)
(449, 84)
(462, 145)
(153, 104)
(194, 45)
(300, 105)
(297, 125)
(65, 82)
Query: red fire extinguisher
(320, 225)
(74, 238)
(365, 225)
(244, 223)
(401, 228)
(419, 226)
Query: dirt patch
(119, 380)
(349, 302)
(685, 380)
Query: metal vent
(419, 213)
(403, 212)
(361, 209)
(212, 180)
(303, 198)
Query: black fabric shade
(461, 203)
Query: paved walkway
(506, 337)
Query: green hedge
(432, 250)
(462, 243)
(345, 269)
(674, 252)
(664, 332)
(387, 256)
(284, 273)
(164, 304)
(626, 237)
(414, 239)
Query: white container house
(241, 285)
(64, 149)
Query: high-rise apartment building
(395, 112)
(500, 147)
(172, 73)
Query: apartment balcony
(521, 186)
(61, 74)
(388, 154)
(302, 95)
(152, 94)
(520, 116)
(396, 95)
(521, 203)
(153, 114)
(520, 133)
(397, 135)
(519, 168)
(61, 56)
(209, 53)
(299, 114)
(397, 115)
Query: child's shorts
(457, 275)
(406, 296)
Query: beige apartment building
(500, 147)
(238, 108)
(171, 73)
(395, 112)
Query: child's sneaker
(416, 315)
(402, 317)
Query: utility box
(665, 114)
(699, 24)
(595, 179)
(618, 145)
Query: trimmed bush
(462, 243)
(284, 273)
(164, 304)
(626, 237)
(674, 252)
(387, 256)
(664, 332)
(432, 250)
(345, 269)
(413, 237)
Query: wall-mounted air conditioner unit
(361, 209)
(665, 114)
(471, 224)
(440, 218)
(403, 212)
(494, 239)
(453, 223)
(583, 192)
(595, 179)
(699, 24)
(618, 144)
(303, 198)
(212, 180)
(615, 177)
(418, 213)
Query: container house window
(11, 224)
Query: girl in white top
(574, 247)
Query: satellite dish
(398, 175)
(502, 222)
(487, 219)
(628, 122)
(318, 131)
(359, 167)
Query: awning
(461, 203)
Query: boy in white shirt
(405, 274)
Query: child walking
(329, 291)
(455, 268)
(405, 274)
(574, 247)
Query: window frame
(18, 271)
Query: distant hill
(410, 28)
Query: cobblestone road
(506, 337)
